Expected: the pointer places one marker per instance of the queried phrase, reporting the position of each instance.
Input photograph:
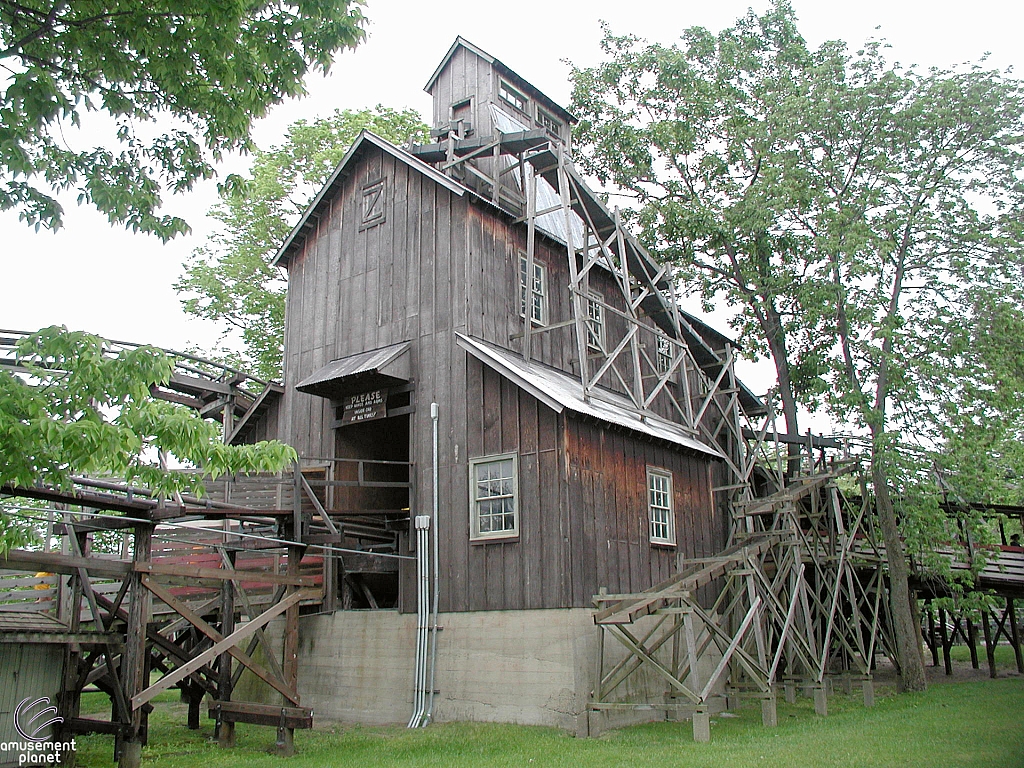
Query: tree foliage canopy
(863, 219)
(230, 280)
(215, 65)
(71, 407)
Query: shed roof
(560, 391)
(378, 367)
(29, 621)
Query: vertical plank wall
(442, 263)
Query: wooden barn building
(475, 289)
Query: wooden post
(133, 661)
(972, 641)
(1015, 635)
(194, 696)
(285, 745)
(946, 642)
(225, 729)
(990, 650)
(931, 636)
(69, 609)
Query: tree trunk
(771, 324)
(905, 628)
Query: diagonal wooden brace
(218, 648)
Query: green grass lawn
(956, 724)
(1005, 658)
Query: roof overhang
(376, 369)
(562, 392)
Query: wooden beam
(82, 638)
(262, 714)
(223, 574)
(218, 648)
(197, 621)
(54, 562)
(105, 501)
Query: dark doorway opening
(371, 495)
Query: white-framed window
(548, 122)
(533, 290)
(511, 96)
(666, 354)
(494, 497)
(659, 506)
(595, 322)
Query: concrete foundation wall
(526, 667)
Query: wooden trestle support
(789, 600)
(798, 598)
(191, 637)
(190, 597)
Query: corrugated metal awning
(377, 368)
(560, 391)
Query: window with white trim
(665, 354)
(548, 122)
(533, 291)
(511, 96)
(659, 506)
(595, 322)
(494, 507)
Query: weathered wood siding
(583, 507)
(441, 263)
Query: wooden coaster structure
(796, 598)
(178, 615)
(785, 598)
(195, 587)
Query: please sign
(366, 406)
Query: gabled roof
(517, 80)
(307, 221)
(560, 391)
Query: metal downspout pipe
(433, 619)
(426, 629)
(422, 524)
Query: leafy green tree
(68, 406)
(694, 135)
(230, 280)
(852, 211)
(215, 65)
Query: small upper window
(595, 323)
(511, 96)
(494, 510)
(659, 505)
(373, 204)
(666, 354)
(547, 121)
(462, 113)
(533, 291)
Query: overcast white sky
(107, 281)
